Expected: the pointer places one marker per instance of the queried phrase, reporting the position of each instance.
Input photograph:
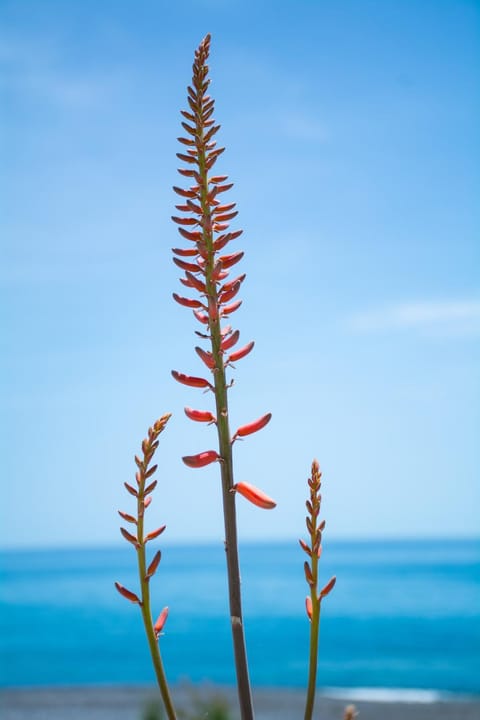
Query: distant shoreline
(130, 702)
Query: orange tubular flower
(190, 380)
(202, 459)
(253, 427)
(200, 415)
(308, 606)
(254, 495)
(241, 353)
(160, 622)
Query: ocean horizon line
(247, 542)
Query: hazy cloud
(445, 316)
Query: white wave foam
(373, 694)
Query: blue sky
(351, 131)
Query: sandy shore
(132, 703)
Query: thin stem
(225, 452)
(313, 658)
(147, 615)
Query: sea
(404, 617)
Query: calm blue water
(403, 615)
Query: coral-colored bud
(186, 302)
(128, 518)
(154, 534)
(127, 593)
(225, 297)
(201, 317)
(194, 236)
(160, 622)
(199, 415)
(241, 352)
(152, 568)
(308, 606)
(206, 357)
(185, 220)
(128, 536)
(217, 270)
(228, 286)
(229, 260)
(202, 459)
(328, 587)
(189, 252)
(186, 266)
(253, 427)
(131, 490)
(181, 191)
(150, 488)
(228, 309)
(190, 380)
(226, 217)
(308, 573)
(305, 547)
(147, 502)
(254, 495)
(230, 340)
(195, 282)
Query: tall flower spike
(139, 541)
(312, 603)
(203, 220)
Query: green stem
(313, 660)
(225, 452)
(315, 621)
(146, 611)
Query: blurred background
(351, 134)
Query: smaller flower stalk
(139, 539)
(313, 601)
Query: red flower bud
(202, 459)
(190, 252)
(195, 236)
(195, 282)
(127, 593)
(230, 340)
(254, 495)
(228, 309)
(186, 266)
(308, 606)
(160, 622)
(186, 220)
(228, 286)
(201, 317)
(328, 587)
(190, 380)
(253, 426)
(241, 353)
(229, 294)
(229, 260)
(152, 568)
(305, 547)
(128, 518)
(186, 302)
(199, 415)
(128, 536)
(154, 534)
(207, 357)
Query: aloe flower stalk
(313, 601)
(137, 537)
(203, 222)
